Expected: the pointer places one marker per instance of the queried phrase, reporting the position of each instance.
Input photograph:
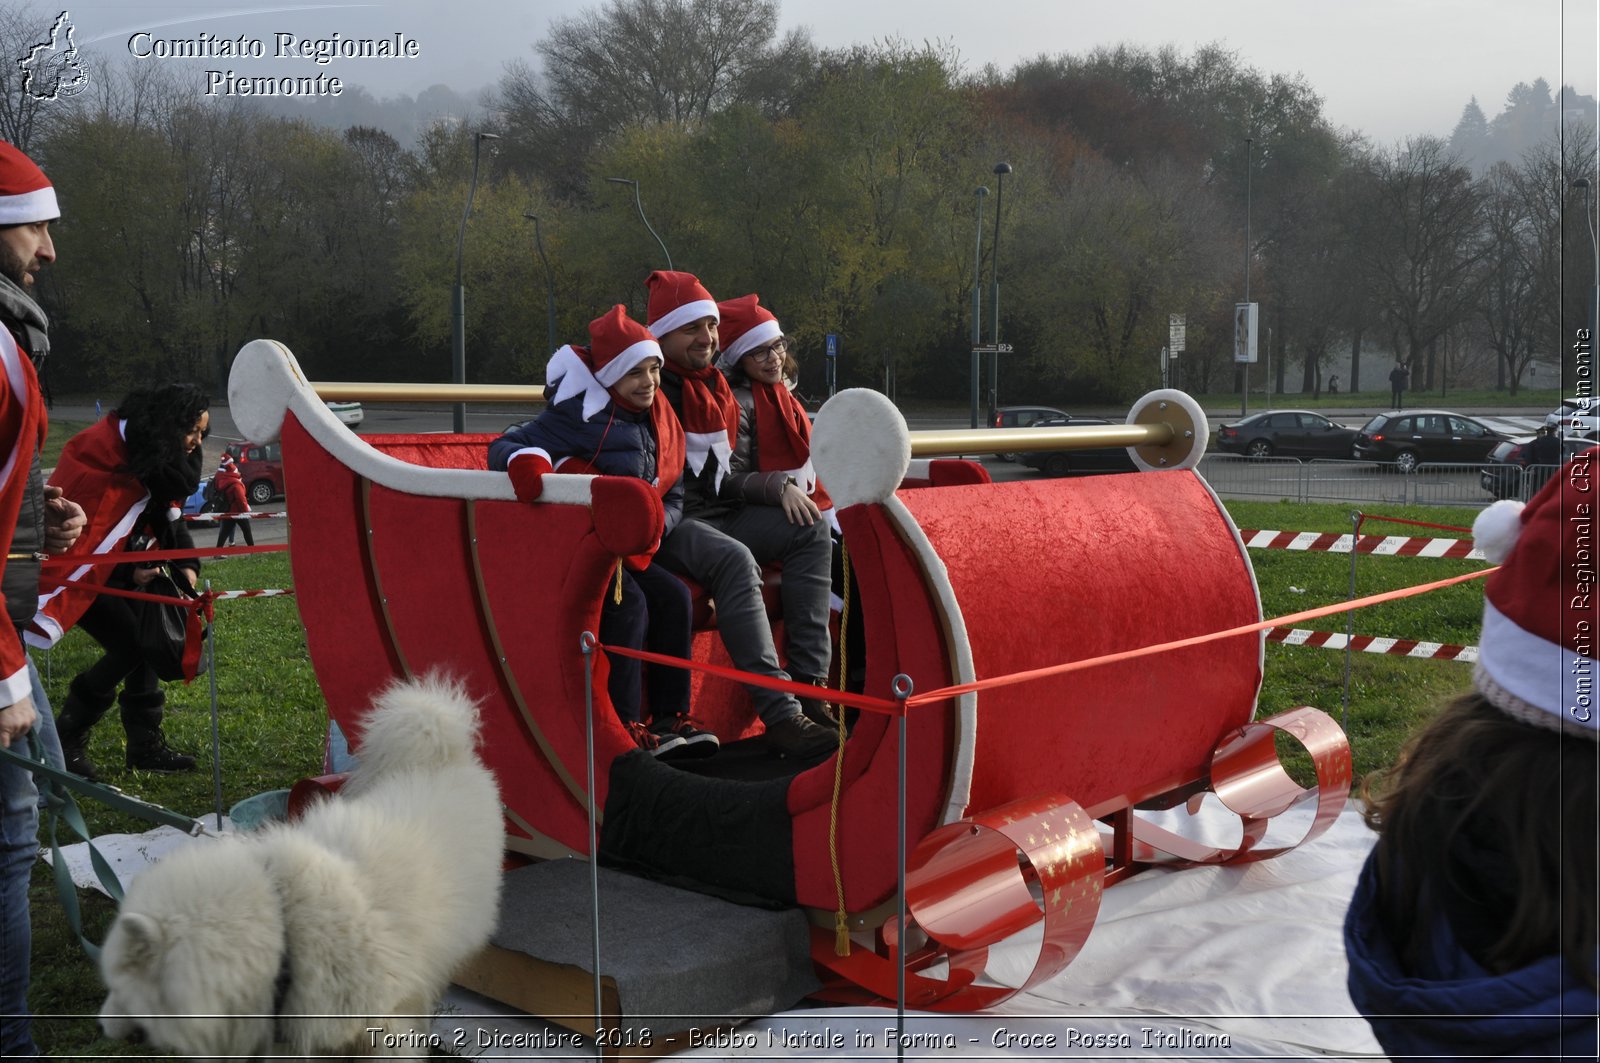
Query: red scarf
(783, 438)
(710, 417)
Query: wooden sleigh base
(678, 968)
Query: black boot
(81, 712)
(147, 746)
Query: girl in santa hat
(771, 460)
(1474, 931)
(131, 472)
(604, 417)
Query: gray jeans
(726, 558)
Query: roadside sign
(1245, 319)
(1177, 329)
(833, 345)
(993, 348)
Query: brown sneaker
(797, 737)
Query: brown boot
(796, 736)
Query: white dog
(336, 933)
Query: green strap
(56, 786)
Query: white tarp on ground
(1233, 963)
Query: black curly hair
(158, 419)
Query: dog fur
(368, 904)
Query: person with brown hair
(1473, 929)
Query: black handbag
(164, 630)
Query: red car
(261, 468)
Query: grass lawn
(272, 714)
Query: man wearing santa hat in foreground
(683, 317)
(33, 520)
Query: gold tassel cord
(841, 923)
(616, 596)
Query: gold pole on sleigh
(1161, 430)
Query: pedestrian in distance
(1399, 378)
(227, 487)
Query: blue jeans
(19, 848)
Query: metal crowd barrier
(1333, 480)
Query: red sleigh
(408, 556)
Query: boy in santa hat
(1473, 931)
(722, 543)
(603, 417)
(34, 520)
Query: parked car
(261, 469)
(1508, 474)
(1292, 433)
(1579, 418)
(350, 413)
(1077, 462)
(1411, 437)
(1022, 417)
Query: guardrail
(1332, 480)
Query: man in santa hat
(684, 317)
(34, 520)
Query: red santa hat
(746, 325)
(617, 343)
(676, 299)
(26, 195)
(1536, 658)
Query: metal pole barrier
(216, 739)
(1349, 624)
(586, 643)
(902, 690)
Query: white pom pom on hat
(1496, 530)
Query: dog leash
(55, 788)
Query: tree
(1424, 245)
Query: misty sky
(1389, 68)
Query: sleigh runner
(409, 556)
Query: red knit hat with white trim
(617, 343)
(746, 325)
(26, 195)
(1537, 659)
(676, 299)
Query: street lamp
(1244, 392)
(977, 304)
(458, 302)
(549, 282)
(1000, 171)
(640, 208)
(1594, 245)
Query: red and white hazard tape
(1384, 545)
(1328, 640)
(252, 515)
(221, 595)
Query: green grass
(272, 714)
(60, 432)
